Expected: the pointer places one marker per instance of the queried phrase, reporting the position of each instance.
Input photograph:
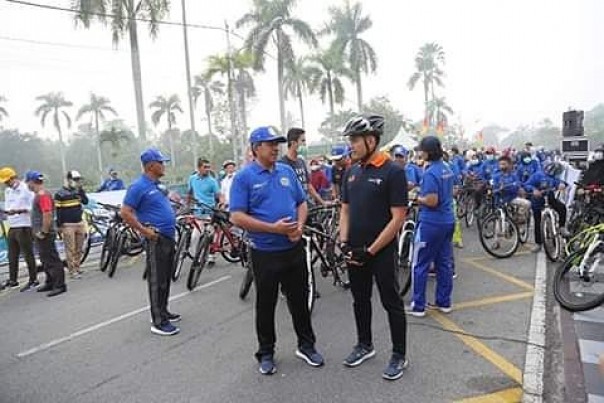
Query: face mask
(302, 151)
(474, 162)
(315, 167)
(527, 160)
(490, 157)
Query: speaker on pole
(572, 124)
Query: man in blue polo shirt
(268, 201)
(146, 208)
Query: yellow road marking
(525, 252)
(491, 300)
(512, 395)
(506, 277)
(480, 348)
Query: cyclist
(435, 230)
(490, 165)
(374, 202)
(458, 165)
(544, 184)
(318, 179)
(400, 155)
(526, 166)
(69, 201)
(339, 156)
(229, 167)
(507, 187)
(267, 199)
(112, 183)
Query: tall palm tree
(298, 81)
(167, 107)
(54, 103)
(123, 15)
(204, 86)
(272, 22)
(244, 87)
(439, 110)
(3, 111)
(326, 77)
(348, 24)
(96, 108)
(116, 137)
(428, 62)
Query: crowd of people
(269, 197)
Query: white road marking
(535, 351)
(101, 325)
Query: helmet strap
(369, 153)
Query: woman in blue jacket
(433, 240)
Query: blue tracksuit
(525, 171)
(433, 238)
(458, 165)
(411, 174)
(419, 171)
(474, 170)
(506, 185)
(543, 182)
(488, 168)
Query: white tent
(403, 138)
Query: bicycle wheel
(181, 253)
(116, 253)
(505, 238)
(404, 260)
(86, 247)
(461, 209)
(576, 292)
(199, 262)
(107, 248)
(231, 253)
(470, 211)
(133, 243)
(524, 230)
(246, 284)
(551, 240)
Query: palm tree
(244, 87)
(54, 103)
(208, 88)
(97, 108)
(428, 63)
(326, 74)
(167, 107)
(298, 81)
(272, 22)
(3, 111)
(124, 15)
(348, 24)
(115, 137)
(439, 111)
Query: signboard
(575, 145)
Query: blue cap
(266, 133)
(400, 151)
(152, 155)
(338, 152)
(31, 176)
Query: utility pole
(234, 134)
(189, 93)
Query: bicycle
(406, 250)
(550, 233)
(499, 227)
(579, 281)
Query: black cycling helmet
(553, 168)
(369, 124)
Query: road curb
(535, 351)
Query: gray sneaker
(359, 355)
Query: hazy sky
(513, 62)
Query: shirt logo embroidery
(284, 181)
(258, 185)
(376, 181)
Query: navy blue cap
(266, 133)
(153, 155)
(31, 176)
(338, 151)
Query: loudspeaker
(572, 124)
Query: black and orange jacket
(69, 205)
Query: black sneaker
(311, 356)
(173, 317)
(57, 291)
(267, 365)
(11, 284)
(395, 367)
(359, 355)
(30, 286)
(46, 287)
(165, 329)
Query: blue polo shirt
(267, 195)
(151, 205)
(203, 188)
(438, 179)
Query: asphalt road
(93, 344)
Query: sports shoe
(11, 284)
(46, 287)
(395, 367)
(443, 309)
(311, 356)
(165, 329)
(418, 313)
(536, 249)
(454, 276)
(267, 365)
(57, 291)
(30, 286)
(359, 355)
(173, 317)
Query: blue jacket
(525, 171)
(474, 170)
(458, 164)
(112, 184)
(488, 168)
(543, 182)
(506, 186)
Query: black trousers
(289, 269)
(558, 206)
(160, 254)
(20, 241)
(383, 268)
(52, 263)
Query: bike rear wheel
(470, 211)
(182, 251)
(405, 262)
(577, 293)
(246, 284)
(231, 253)
(499, 237)
(116, 253)
(107, 249)
(199, 262)
(551, 241)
